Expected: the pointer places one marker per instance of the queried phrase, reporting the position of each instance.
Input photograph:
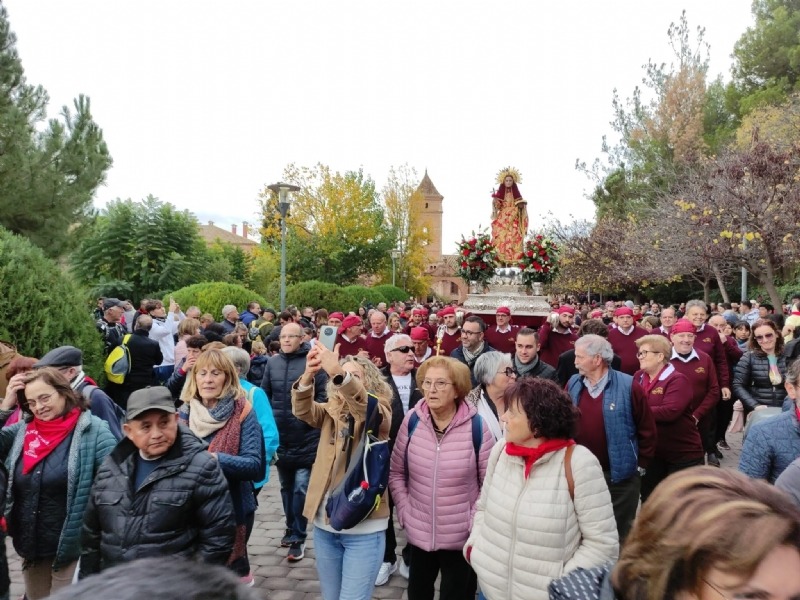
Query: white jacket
(528, 532)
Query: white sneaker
(403, 569)
(385, 572)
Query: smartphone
(327, 336)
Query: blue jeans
(347, 564)
(294, 485)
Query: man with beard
(472, 344)
(450, 332)
(557, 335)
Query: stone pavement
(277, 578)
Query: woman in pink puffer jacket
(436, 478)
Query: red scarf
(42, 437)
(531, 455)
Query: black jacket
(145, 354)
(541, 370)
(458, 354)
(183, 508)
(298, 440)
(751, 382)
(397, 404)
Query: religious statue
(509, 217)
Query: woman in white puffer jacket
(530, 526)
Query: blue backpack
(477, 438)
(365, 480)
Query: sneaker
(385, 572)
(713, 461)
(286, 540)
(248, 580)
(296, 551)
(723, 445)
(403, 568)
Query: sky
(204, 103)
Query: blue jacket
(91, 442)
(263, 411)
(622, 436)
(771, 446)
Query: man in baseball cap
(159, 459)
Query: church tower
(429, 212)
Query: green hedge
(364, 295)
(211, 297)
(42, 308)
(391, 293)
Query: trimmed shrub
(310, 293)
(42, 308)
(211, 297)
(392, 293)
(365, 295)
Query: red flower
(472, 242)
(538, 237)
(537, 266)
(464, 265)
(542, 252)
(530, 254)
(465, 252)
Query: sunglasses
(766, 336)
(403, 349)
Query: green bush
(41, 307)
(211, 297)
(310, 293)
(365, 295)
(392, 293)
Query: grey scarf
(523, 369)
(471, 357)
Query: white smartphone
(327, 336)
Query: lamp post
(395, 256)
(283, 189)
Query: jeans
(294, 485)
(625, 502)
(347, 564)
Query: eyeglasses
(435, 385)
(643, 353)
(464, 332)
(766, 336)
(403, 349)
(508, 372)
(41, 400)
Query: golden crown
(503, 173)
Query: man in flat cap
(110, 325)
(69, 360)
(169, 495)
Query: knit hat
(350, 321)
(622, 311)
(566, 309)
(336, 315)
(682, 326)
(503, 310)
(418, 311)
(447, 310)
(419, 334)
(596, 314)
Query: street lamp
(283, 189)
(395, 256)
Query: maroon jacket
(708, 341)
(670, 401)
(449, 342)
(625, 347)
(553, 344)
(702, 375)
(504, 342)
(350, 348)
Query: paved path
(280, 580)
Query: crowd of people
(570, 460)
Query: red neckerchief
(648, 384)
(797, 412)
(42, 437)
(531, 455)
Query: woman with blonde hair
(216, 410)
(348, 560)
(705, 533)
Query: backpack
(365, 480)
(118, 363)
(477, 437)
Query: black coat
(298, 440)
(145, 354)
(397, 404)
(458, 354)
(542, 370)
(751, 382)
(182, 509)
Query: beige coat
(331, 418)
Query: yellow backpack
(118, 363)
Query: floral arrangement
(539, 260)
(478, 257)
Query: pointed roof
(427, 188)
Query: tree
(144, 246)
(335, 227)
(402, 200)
(778, 125)
(48, 174)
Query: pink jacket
(437, 503)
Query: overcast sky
(203, 103)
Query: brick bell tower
(429, 211)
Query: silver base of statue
(506, 289)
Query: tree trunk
(768, 280)
(721, 283)
(706, 289)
